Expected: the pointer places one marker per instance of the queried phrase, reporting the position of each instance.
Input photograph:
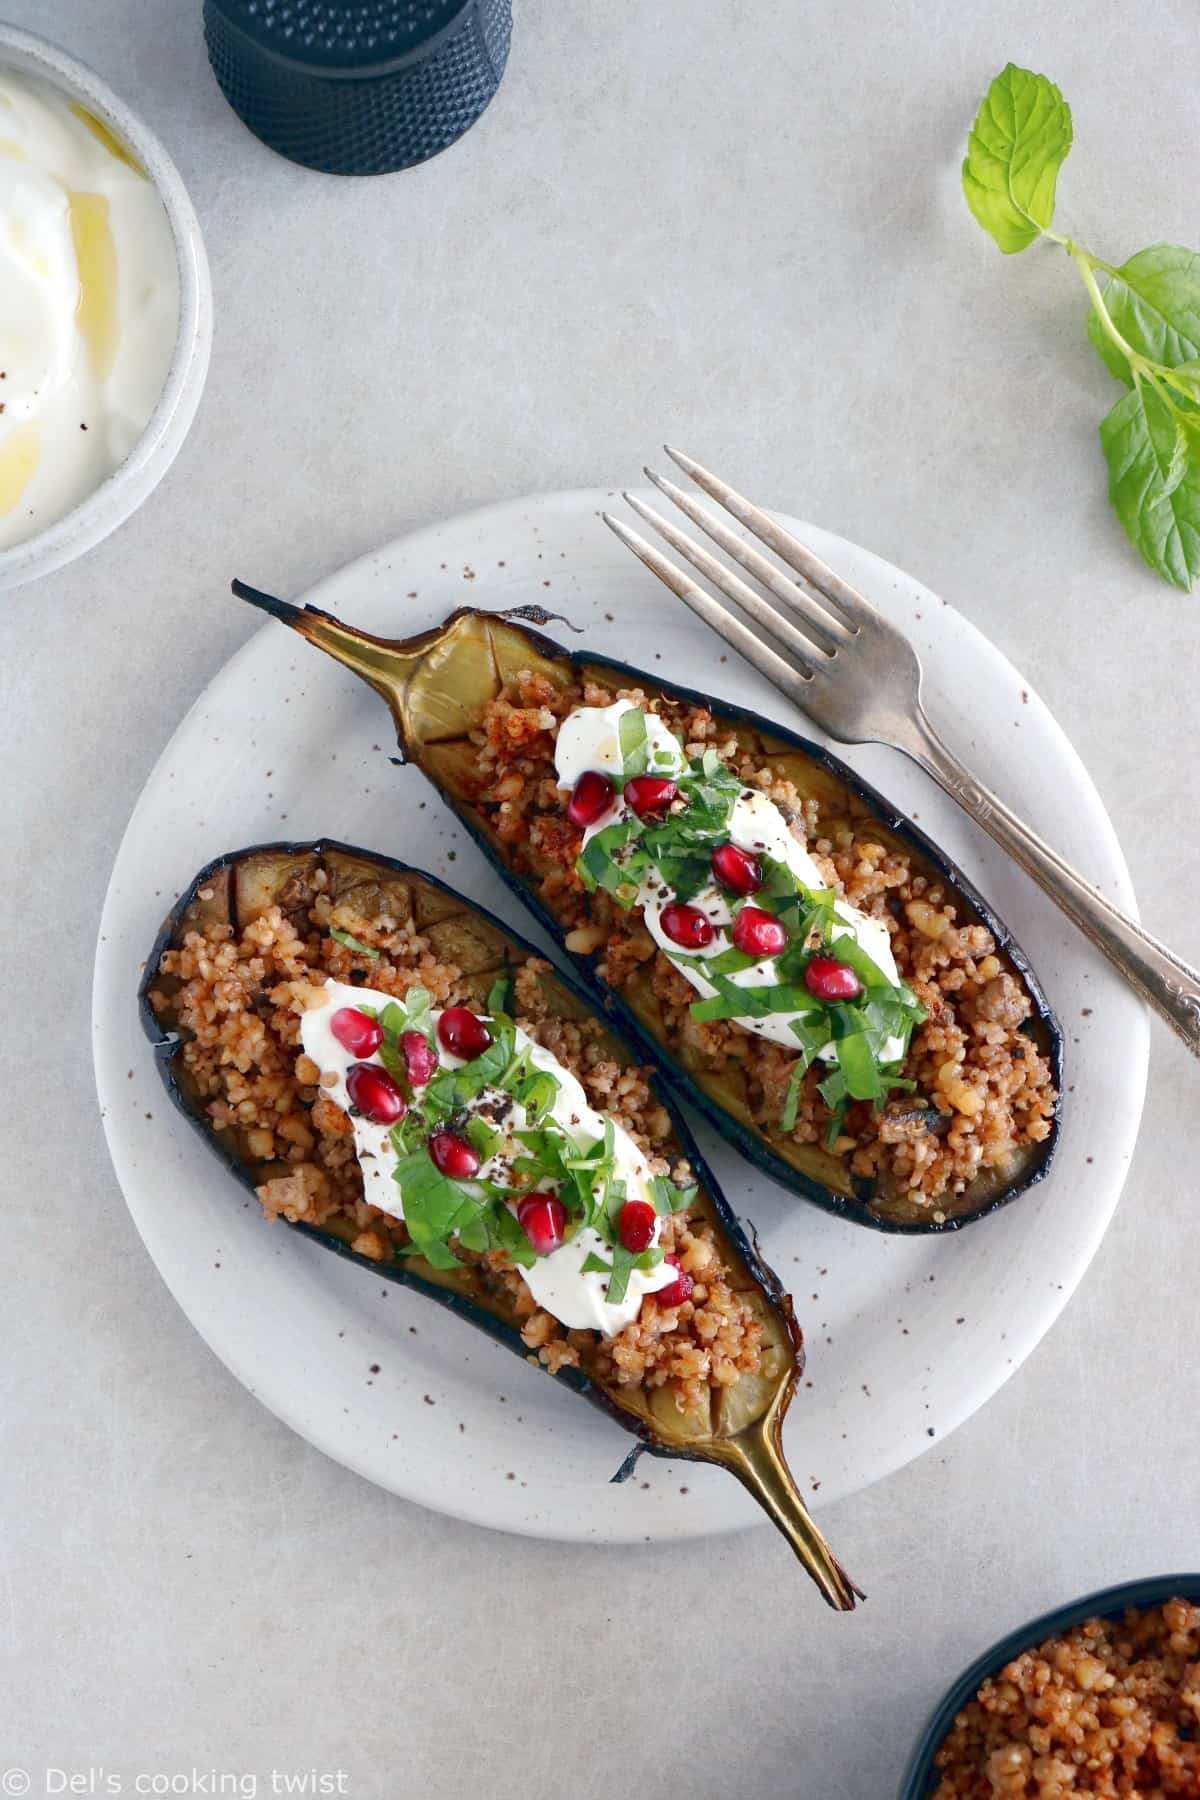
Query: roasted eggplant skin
(416, 677)
(236, 887)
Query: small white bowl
(123, 491)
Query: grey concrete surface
(737, 224)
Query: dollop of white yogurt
(89, 304)
(588, 738)
(557, 1282)
(757, 826)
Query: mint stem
(1141, 366)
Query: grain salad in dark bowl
(806, 966)
(399, 1077)
(1097, 1700)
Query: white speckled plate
(906, 1337)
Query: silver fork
(824, 646)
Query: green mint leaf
(897, 1084)
(847, 949)
(500, 994)
(634, 743)
(835, 1124)
(1154, 302)
(667, 1198)
(814, 1032)
(483, 1137)
(791, 1100)
(1154, 482)
(623, 1264)
(733, 1002)
(595, 1265)
(393, 1019)
(487, 1070)
(537, 1094)
(1191, 372)
(498, 1229)
(729, 962)
(393, 1061)
(859, 1069)
(352, 943)
(833, 1089)
(596, 864)
(435, 1208)
(1020, 139)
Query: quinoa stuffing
(984, 1090)
(237, 999)
(1110, 1709)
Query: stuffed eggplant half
(397, 1076)
(808, 967)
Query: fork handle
(1149, 967)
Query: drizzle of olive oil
(96, 260)
(113, 145)
(9, 147)
(19, 453)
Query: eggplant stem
(382, 663)
(278, 609)
(756, 1458)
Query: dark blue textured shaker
(358, 87)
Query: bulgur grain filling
(981, 1087)
(241, 999)
(1110, 1708)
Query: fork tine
(827, 628)
(760, 610)
(855, 607)
(739, 637)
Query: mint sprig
(1144, 321)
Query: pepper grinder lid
(358, 87)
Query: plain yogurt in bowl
(105, 310)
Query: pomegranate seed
(462, 1034)
(635, 1225)
(830, 980)
(542, 1217)
(736, 869)
(679, 1290)
(355, 1032)
(420, 1057)
(650, 793)
(758, 933)
(453, 1156)
(686, 925)
(375, 1094)
(593, 795)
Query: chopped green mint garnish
(791, 1100)
(352, 943)
(634, 743)
(668, 1198)
(500, 994)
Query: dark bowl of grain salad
(1098, 1700)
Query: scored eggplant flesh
(740, 1427)
(438, 685)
